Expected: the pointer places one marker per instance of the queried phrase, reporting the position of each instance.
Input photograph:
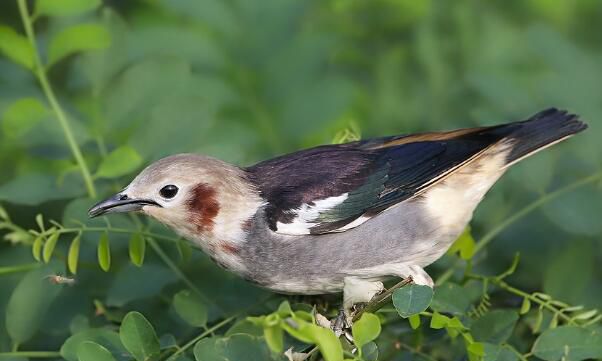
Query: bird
(339, 217)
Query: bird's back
(356, 181)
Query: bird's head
(199, 197)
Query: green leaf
(77, 38)
(49, 246)
(36, 188)
(568, 343)
(495, 326)
(29, 302)
(91, 351)
(366, 329)
(498, 353)
(586, 315)
(22, 115)
(328, 343)
(3, 214)
(476, 348)
(245, 326)
(325, 339)
(73, 255)
(102, 336)
(40, 221)
(451, 298)
(538, 320)
(284, 309)
(104, 252)
(232, 348)
(137, 249)
(464, 245)
(184, 250)
(19, 236)
(135, 283)
(64, 7)
(370, 352)
(580, 258)
(36, 248)
(439, 321)
(412, 299)
(168, 341)
(119, 162)
(414, 321)
(190, 308)
(274, 337)
(525, 306)
(554, 321)
(138, 336)
(16, 47)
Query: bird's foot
(339, 323)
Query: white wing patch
(353, 224)
(306, 215)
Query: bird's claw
(339, 324)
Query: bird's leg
(355, 291)
(358, 291)
(419, 276)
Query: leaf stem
(56, 107)
(506, 287)
(114, 230)
(208, 332)
(487, 238)
(31, 354)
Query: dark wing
(338, 187)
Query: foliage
(91, 91)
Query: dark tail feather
(541, 130)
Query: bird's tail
(540, 131)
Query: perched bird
(338, 217)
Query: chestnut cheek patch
(203, 207)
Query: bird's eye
(169, 191)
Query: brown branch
(381, 300)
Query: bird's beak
(119, 203)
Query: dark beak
(119, 203)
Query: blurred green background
(247, 80)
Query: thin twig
(208, 332)
(506, 287)
(113, 230)
(54, 104)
